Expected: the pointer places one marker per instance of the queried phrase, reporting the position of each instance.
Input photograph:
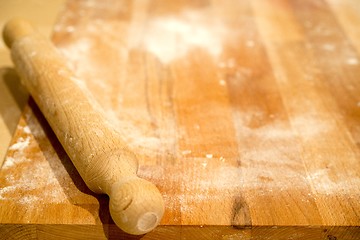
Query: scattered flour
(168, 39)
(352, 61)
(344, 184)
(30, 175)
(21, 144)
(26, 130)
(209, 155)
(222, 82)
(186, 152)
(171, 38)
(9, 162)
(204, 164)
(36, 181)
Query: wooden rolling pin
(96, 149)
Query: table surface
(246, 115)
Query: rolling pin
(96, 149)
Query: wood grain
(244, 114)
(96, 149)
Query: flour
(269, 155)
(209, 155)
(171, 38)
(165, 37)
(9, 162)
(37, 182)
(344, 184)
(186, 152)
(352, 61)
(92, 78)
(74, 51)
(21, 144)
(27, 177)
(26, 130)
(312, 126)
(222, 82)
(18, 149)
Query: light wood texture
(245, 114)
(97, 150)
(12, 97)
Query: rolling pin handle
(16, 29)
(134, 205)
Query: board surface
(246, 115)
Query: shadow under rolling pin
(95, 148)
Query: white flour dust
(132, 121)
(26, 176)
(36, 184)
(170, 38)
(21, 144)
(9, 162)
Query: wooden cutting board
(246, 115)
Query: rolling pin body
(94, 146)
